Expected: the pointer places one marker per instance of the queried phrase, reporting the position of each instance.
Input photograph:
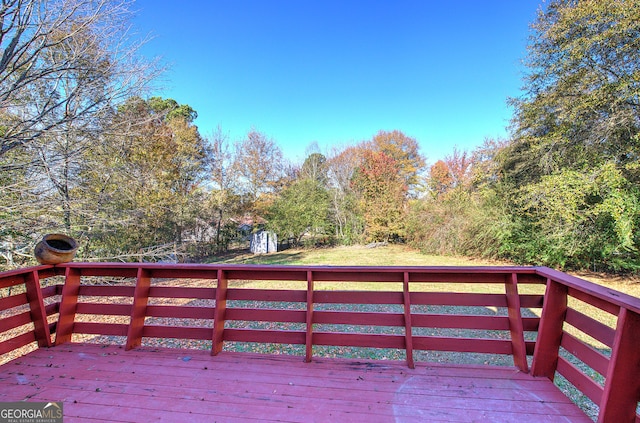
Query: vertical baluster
(220, 311)
(68, 305)
(38, 311)
(138, 309)
(622, 385)
(309, 335)
(407, 321)
(515, 324)
(554, 309)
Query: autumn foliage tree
(259, 164)
(149, 174)
(440, 178)
(382, 192)
(459, 164)
(406, 153)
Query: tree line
(87, 151)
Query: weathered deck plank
(106, 383)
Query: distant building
(247, 224)
(264, 242)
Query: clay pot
(55, 248)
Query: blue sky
(337, 72)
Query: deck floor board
(105, 383)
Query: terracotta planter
(55, 248)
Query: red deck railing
(33, 313)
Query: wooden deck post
(408, 336)
(554, 309)
(220, 311)
(68, 305)
(515, 324)
(38, 311)
(138, 309)
(622, 384)
(309, 335)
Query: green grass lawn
(390, 255)
(399, 255)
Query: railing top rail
(24, 270)
(615, 297)
(298, 268)
(602, 292)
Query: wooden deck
(107, 383)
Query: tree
(577, 139)
(302, 209)
(59, 152)
(63, 61)
(315, 168)
(464, 216)
(440, 179)
(18, 215)
(451, 173)
(382, 196)
(65, 65)
(186, 171)
(223, 194)
(581, 219)
(171, 109)
(259, 164)
(149, 172)
(461, 223)
(405, 151)
(582, 92)
(346, 215)
(459, 164)
(485, 165)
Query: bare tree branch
(45, 44)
